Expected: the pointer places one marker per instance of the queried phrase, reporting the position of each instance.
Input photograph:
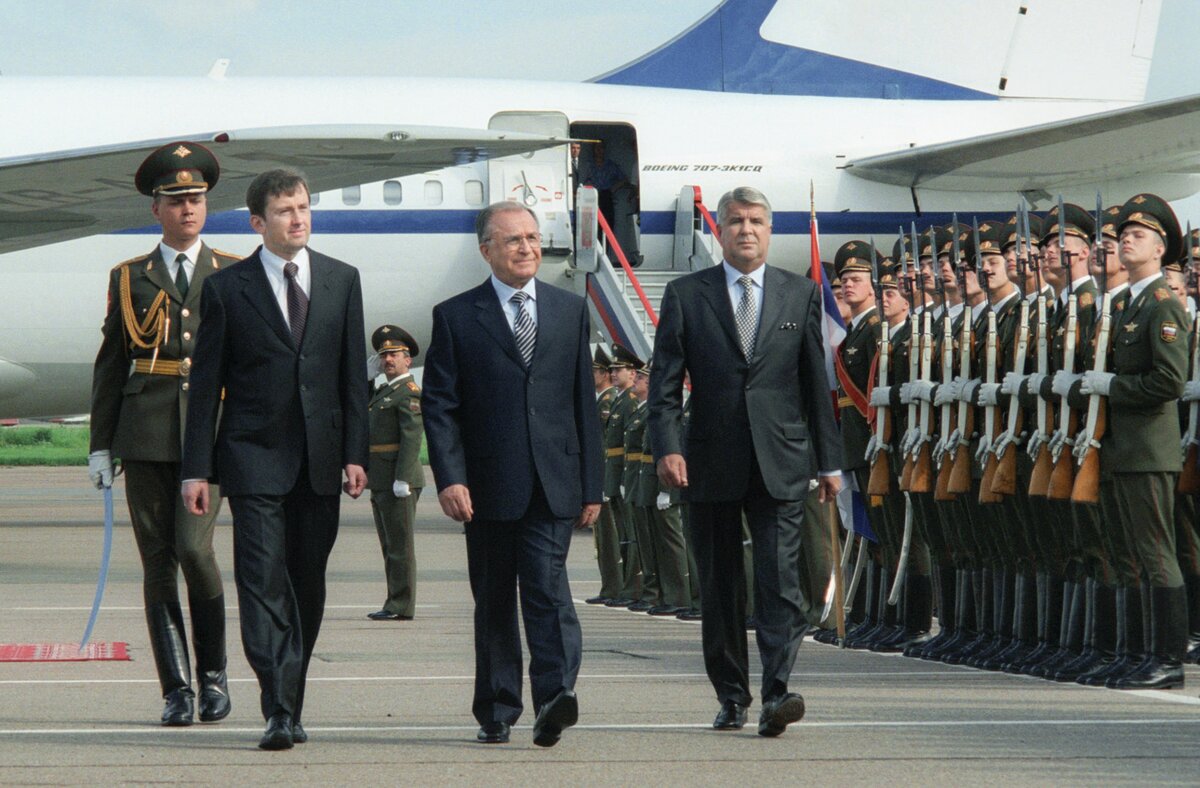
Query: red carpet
(62, 652)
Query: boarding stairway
(625, 301)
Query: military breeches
(394, 524)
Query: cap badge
(182, 152)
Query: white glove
(1001, 445)
(1096, 383)
(989, 394)
(968, 391)
(1035, 383)
(1062, 382)
(100, 468)
(1034, 447)
(881, 396)
(981, 451)
(622, 488)
(1012, 383)
(922, 390)
(604, 498)
(400, 489)
(948, 392)
(1056, 443)
(1191, 391)
(663, 501)
(872, 448)
(911, 436)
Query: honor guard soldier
(604, 532)
(139, 402)
(394, 474)
(623, 404)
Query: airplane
(872, 117)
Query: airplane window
(313, 199)
(433, 192)
(352, 195)
(393, 192)
(474, 192)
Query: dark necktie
(181, 280)
(297, 302)
(746, 316)
(523, 328)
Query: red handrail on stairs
(637, 286)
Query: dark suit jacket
(492, 423)
(283, 405)
(776, 407)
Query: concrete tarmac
(389, 703)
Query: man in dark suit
(139, 401)
(281, 354)
(761, 427)
(514, 442)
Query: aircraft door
(538, 180)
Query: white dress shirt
(273, 264)
(169, 254)
(734, 287)
(505, 293)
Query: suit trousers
(525, 558)
(776, 529)
(281, 546)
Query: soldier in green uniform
(634, 438)
(394, 473)
(1139, 453)
(604, 532)
(139, 403)
(624, 402)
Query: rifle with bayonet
(991, 425)
(943, 457)
(1087, 444)
(879, 481)
(1004, 480)
(1062, 479)
(1039, 436)
(959, 480)
(1189, 476)
(914, 365)
(921, 477)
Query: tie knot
(746, 281)
(181, 258)
(520, 297)
(290, 270)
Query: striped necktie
(297, 302)
(523, 327)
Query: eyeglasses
(514, 242)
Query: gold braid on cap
(152, 332)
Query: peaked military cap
(889, 274)
(178, 168)
(931, 242)
(600, 359)
(1195, 246)
(1108, 226)
(853, 256)
(992, 235)
(389, 338)
(1075, 221)
(1011, 236)
(830, 274)
(903, 246)
(623, 357)
(1152, 211)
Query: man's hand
(400, 489)
(195, 497)
(828, 487)
(100, 468)
(672, 470)
(456, 503)
(588, 516)
(356, 480)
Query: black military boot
(208, 639)
(1008, 621)
(1024, 628)
(1128, 643)
(866, 598)
(1052, 611)
(981, 592)
(169, 643)
(1070, 631)
(1193, 599)
(945, 592)
(1100, 631)
(889, 615)
(1138, 638)
(1039, 642)
(915, 610)
(1168, 628)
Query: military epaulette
(413, 387)
(1086, 299)
(873, 320)
(1162, 293)
(140, 258)
(230, 255)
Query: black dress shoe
(778, 714)
(619, 602)
(731, 717)
(278, 735)
(691, 614)
(493, 733)
(179, 709)
(665, 610)
(641, 606)
(597, 600)
(383, 615)
(214, 696)
(556, 716)
(299, 735)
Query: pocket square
(788, 327)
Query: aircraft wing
(63, 195)
(1160, 137)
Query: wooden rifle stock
(1043, 466)
(880, 480)
(1189, 476)
(1087, 480)
(942, 491)
(906, 474)
(921, 478)
(1004, 477)
(1062, 478)
(959, 480)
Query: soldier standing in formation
(605, 532)
(394, 473)
(139, 404)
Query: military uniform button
(184, 385)
(187, 335)
(186, 312)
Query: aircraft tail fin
(937, 49)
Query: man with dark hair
(762, 427)
(281, 357)
(137, 414)
(514, 442)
